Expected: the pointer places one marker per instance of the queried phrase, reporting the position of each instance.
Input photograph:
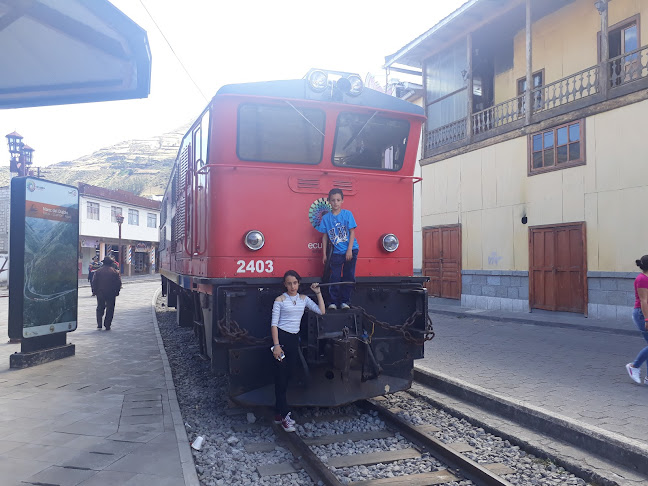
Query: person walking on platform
(287, 312)
(92, 268)
(106, 284)
(639, 317)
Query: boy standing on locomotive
(338, 226)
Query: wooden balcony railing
(580, 87)
(574, 87)
(498, 115)
(628, 67)
(452, 132)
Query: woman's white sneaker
(288, 424)
(633, 372)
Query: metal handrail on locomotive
(247, 190)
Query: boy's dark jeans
(342, 271)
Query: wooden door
(442, 260)
(557, 268)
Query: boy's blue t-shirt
(337, 229)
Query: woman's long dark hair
(292, 273)
(642, 263)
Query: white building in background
(99, 230)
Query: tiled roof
(118, 195)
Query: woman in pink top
(639, 317)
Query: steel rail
(316, 469)
(468, 468)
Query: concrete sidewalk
(107, 416)
(544, 318)
(567, 366)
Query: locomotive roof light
(356, 85)
(347, 83)
(390, 242)
(254, 240)
(318, 80)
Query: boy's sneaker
(288, 424)
(345, 306)
(277, 418)
(332, 306)
(633, 372)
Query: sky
(221, 43)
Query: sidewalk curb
(186, 457)
(525, 320)
(614, 447)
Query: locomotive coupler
(341, 352)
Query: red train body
(258, 160)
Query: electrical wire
(174, 53)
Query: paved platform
(565, 365)
(545, 318)
(107, 416)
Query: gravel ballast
(223, 459)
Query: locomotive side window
(272, 133)
(370, 141)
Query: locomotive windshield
(274, 133)
(370, 141)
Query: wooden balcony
(622, 75)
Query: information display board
(43, 250)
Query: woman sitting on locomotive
(287, 312)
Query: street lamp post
(120, 220)
(21, 154)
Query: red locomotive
(247, 188)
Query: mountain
(138, 166)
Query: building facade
(99, 232)
(531, 197)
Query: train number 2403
(255, 266)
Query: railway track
(364, 444)
(438, 463)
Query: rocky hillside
(138, 166)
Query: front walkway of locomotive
(345, 355)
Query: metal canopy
(70, 51)
(470, 17)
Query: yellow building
(532, 199)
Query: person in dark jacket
(106, 284)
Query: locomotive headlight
(318, 81)
(254, 240)
(390, 242)
(356, 87)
